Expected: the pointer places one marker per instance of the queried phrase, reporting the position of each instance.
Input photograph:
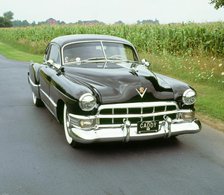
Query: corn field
(179, 39)
(199, 48)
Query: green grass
(15, 54)
(210, 101)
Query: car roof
(63, 40)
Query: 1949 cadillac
(96, 86)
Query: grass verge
(15, 54)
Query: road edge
(212, 122)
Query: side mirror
(145, 63)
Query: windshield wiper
(92, 59)
(116, 58)
(121, 59)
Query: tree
(18, 23)
(5, 21)
(8, 15)
(2, 22)
(148, 22)
(218, 3)
(119, 22)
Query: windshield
(98, 51)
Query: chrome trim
(166, 130)
(49, 109)
(143, 93)
(138, 105)
(81, 101)
(141, 115)
(104, 53)
(184, 96)
(80, 117)
(129, 106)
(52, 102)
(32, 83)
(126, 130)
(107, 116)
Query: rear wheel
(67, 129)
(37, 101)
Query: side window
(54, 54)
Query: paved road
(35, 159)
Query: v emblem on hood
(141, 91)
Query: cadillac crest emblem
(141, 91)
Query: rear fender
(33, 78)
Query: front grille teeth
(115, 113)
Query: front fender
(69, 92)
(177, 86)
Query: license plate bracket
(147, 126)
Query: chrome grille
(115, 113)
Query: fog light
(87, 123)
(188, 116)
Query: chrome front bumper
(126, 132)
(118, 122)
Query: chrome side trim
(32, 83)
(52, 102)
(49, 109)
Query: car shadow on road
(134, 146)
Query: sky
(110, 11)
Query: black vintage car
(96, 86)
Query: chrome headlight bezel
(189, 97)
(87, 102)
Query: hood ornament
(141, 91)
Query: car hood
(117, 83)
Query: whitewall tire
(67, 127)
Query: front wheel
(67, 129)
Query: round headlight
(87, 102)
(189, 97)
